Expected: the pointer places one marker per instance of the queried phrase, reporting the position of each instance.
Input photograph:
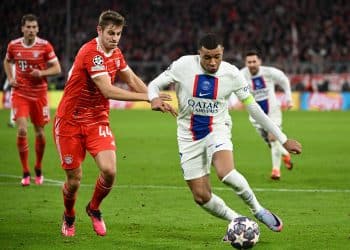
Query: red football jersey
(82, 101)
(27, 58)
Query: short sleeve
(49, 52)
(95, 64)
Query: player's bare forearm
(134, 82)
(8, 71)
(53, 69)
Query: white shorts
(196, 156)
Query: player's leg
(223, 163)
(195, 164)
(69, 191)
(100, 143)
(213, 204)
(11, 123)
(40, 143)
(40, 115)
(21, 109)
(106, 161)
(23, 148)
(286, 157)
(71, 150)
(276, 157)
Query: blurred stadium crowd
(298, 36)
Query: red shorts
(74, 139)
(37, 109)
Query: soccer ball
(243, 233)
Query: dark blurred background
(298, 36)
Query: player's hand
(165, 97)
(293, 146)
(158, 104)
(290, 105)
(13, 83)
(35, 73)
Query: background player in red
(34, 59)
(82, 119)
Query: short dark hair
(111, 17)
(209, 41)
(29, 18)
(252, 52)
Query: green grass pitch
(151, 208)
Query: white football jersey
(202, 97)
(262, 86)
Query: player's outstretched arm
(156, 98)
(103, 82)
(256, 112)
(135, 83)
(53, 69)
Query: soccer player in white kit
(262, 80)
(203, 85)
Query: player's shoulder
(184, 62)
(89, 47)
(41, 41)
(269, 69)
(244, 70)
(117, 52)
(229, 67)
(16, 41)
(186, 59)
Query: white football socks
(240, 185)
(276, 154)
(217, 207)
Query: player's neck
(28, 42)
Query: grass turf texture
(151, 207)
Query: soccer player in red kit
(34, 60)
(82, 119)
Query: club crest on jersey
(35, 54)
(98, 60)
(205, 85)
(117, 63)
(68, 159)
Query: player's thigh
(194, 159)
(21, 107)
(220, 152)
(99, 137)
(106, 162)
(70, 144)
(40, 112)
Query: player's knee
(40, 135)
(22, 132)
(202, 198)
(109, 173)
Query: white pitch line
(55, 183)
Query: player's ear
(99, 30)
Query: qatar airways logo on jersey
(261, 94)
(203, 106)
